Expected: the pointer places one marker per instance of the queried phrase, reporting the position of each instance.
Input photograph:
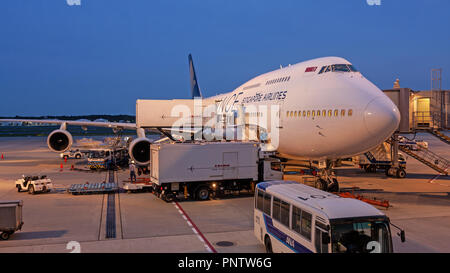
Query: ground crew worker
(132, 168)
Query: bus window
(353, 236)
(266, 203)
(306, 224)
(276, 208)
(296, 213)
(350, 112)
(259, 200)
(324, 113)
(336, 112)
(285, 213)
(321, 246)
(318, 113)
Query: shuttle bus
(292, 217)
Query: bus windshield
(360, 236)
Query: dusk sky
(100, 56)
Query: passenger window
(287, 113)
(259, 200)
(313, 113)
(296, 223)
(308, 113)
(306, 224)
(318, 113)
(330, 113)
(276, 208)
(295, 114)
(324, 113)
(342, 112)
(328, 69)
(285, 207)
(336, 112)
(266, 205)
(304, 113)
(350, 112)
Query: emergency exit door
(230, 163)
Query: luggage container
(10, 218)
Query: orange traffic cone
(2, 157)
(61, 168)
(65, 159)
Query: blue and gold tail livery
(195, 90)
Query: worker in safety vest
(132, 168)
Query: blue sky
(98, 58)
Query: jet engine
(139, 150)
(59, 141)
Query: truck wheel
(268, 244)
(386, 171)
(334, 187)
(31, 189)
(401, 173)
(203, 193)
(78, 156)
(18, 188)
(323, 185)
(4, 236)
(169, 197)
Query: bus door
(321, 239)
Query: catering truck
(198, 170)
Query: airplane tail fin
(195, 90)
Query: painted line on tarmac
(436, 177)
(195, 229)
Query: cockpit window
(338, 68)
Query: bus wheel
(268, 245)
(203, 193)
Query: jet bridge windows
(338, 68)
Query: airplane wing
(113, 125)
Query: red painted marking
(196, 228)
(311, 69)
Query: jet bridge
(413, 120)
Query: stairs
(439, 135)
(428, 158)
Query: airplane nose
(381, 117)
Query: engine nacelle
(139, 150)
(59, 141)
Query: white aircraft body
(326, 109)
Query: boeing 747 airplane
(326, 110)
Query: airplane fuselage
(326, 108)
